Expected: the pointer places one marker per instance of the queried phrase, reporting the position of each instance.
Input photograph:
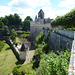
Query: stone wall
(20, 55)
(60, 39)
(13, 47)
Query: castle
(37, 26)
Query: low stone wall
(14, 49)
(20, 55)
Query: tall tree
(1, 25)
(18, 20)
(13, 34)
(29, 18)
(5, 20)
(26, 25)
(6, 31)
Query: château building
(37, 26)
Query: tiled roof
(22, 48)
(25, 41)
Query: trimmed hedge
(67, 20)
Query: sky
(51, 8)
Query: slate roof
(22, 48)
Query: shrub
(15, 70)
(13, 34)
(39, 38)
(6, 31)
(53, 64)
(25, 36)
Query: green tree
(1, 25)
(10, 20)
(26, 25)
(6, 31)
(14, 20)
(29, 18)
(4, 20)
(18, 20)
(13, 34)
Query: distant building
(37, 26)
(57, 17)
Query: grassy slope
(7, 60)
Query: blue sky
(51, 8)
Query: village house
(25, 47)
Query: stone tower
(41, 16)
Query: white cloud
(28, 7)
(25, 12)
(61, 12)
(28, 3)
(67, 3)
(31, 8)
(5, 10)
(48, 12)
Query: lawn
(7, 60)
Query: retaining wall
(60, 39)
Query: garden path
(29, 56)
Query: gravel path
(29, 56)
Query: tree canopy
(26, 25)
(6, 31)
(1, 25)
(29, 18)
(15, 22)
(12, 20)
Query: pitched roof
(23, 48)
(40, 11)
(25, 41)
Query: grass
(26, 68)
(7, 60)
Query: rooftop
(25, 41)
